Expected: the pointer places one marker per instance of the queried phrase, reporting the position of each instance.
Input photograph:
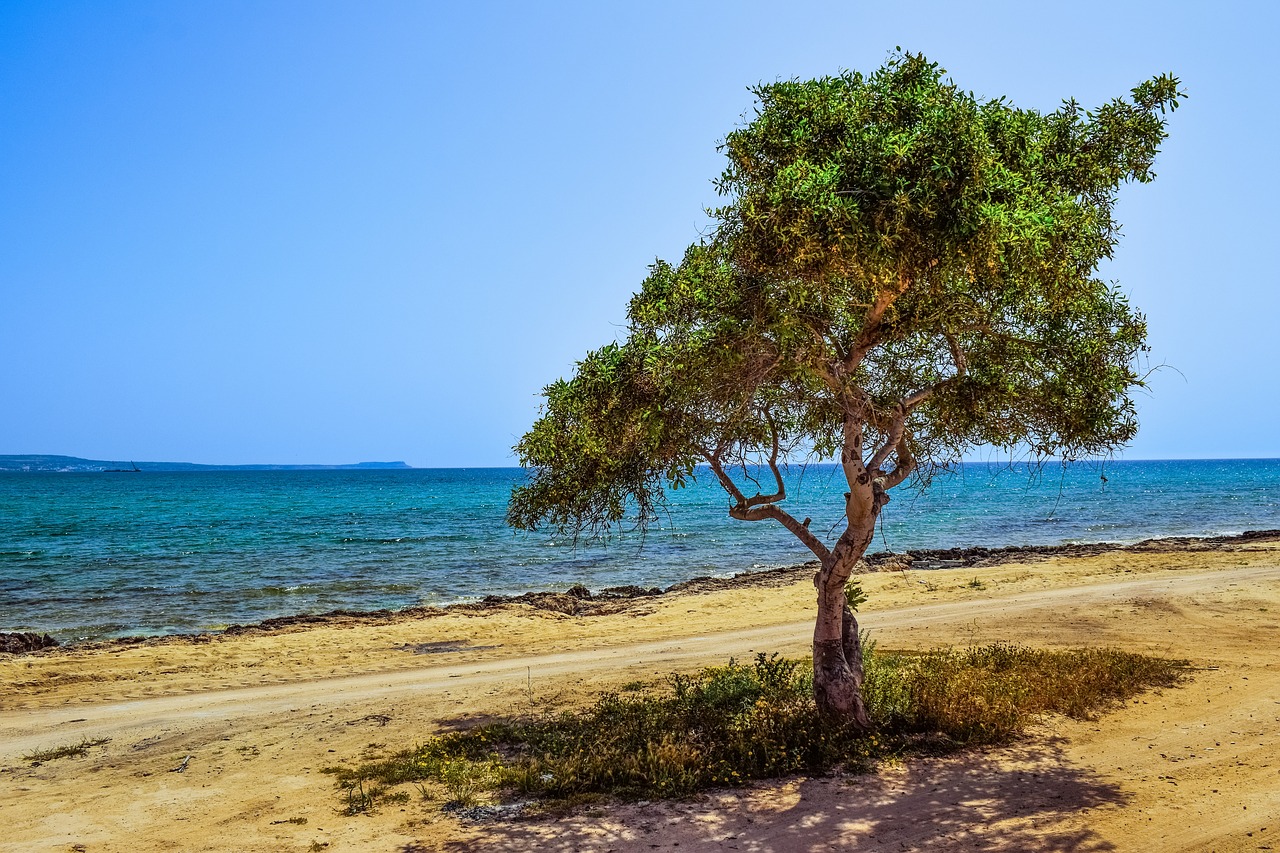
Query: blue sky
(333, 232)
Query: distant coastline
(41, 463)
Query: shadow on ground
(1011, 799)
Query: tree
(900, 272)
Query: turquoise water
(104, 555)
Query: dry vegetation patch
(728, 725)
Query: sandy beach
(252, 717)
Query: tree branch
(905, 464)
(910, 401)
(743, 510)
(713, 459)
(892, 440)
(917, 397)
(957, 354)
(788, 521)
(871, 322)
(739, 498)
(781, 493)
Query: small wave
(343, 586)
(1218, 531)
(105, 629)
(320, 589)
(276, 591)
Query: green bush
(730, 724)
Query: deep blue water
(102, 555)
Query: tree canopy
(889, 242)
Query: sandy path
(24, 731)
(1193, 769)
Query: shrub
(727, 725)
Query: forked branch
(871, 322)
(892, 440)
(904, 463)
(763, 507)
(961, 363)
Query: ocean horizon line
(78, 464)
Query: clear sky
(252, 232)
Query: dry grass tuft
(70, 750)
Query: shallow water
(104, 554)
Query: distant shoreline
(47, 464)
(55, 464)
(579, 601)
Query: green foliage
(601, 447)
(854, 595)
(976, 228)
(730, 724)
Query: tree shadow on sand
(1016, 798)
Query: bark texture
(837, 650)
(837, 675)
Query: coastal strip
(580, 601)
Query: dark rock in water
(577, 600)
(950, 558)
(629, 591)
(759, 578)
(20, 644)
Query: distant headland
(73, 464)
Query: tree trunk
(837, 653)
(852, 644)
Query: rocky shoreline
(580, 601)
(22, 642)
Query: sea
(90, 556)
